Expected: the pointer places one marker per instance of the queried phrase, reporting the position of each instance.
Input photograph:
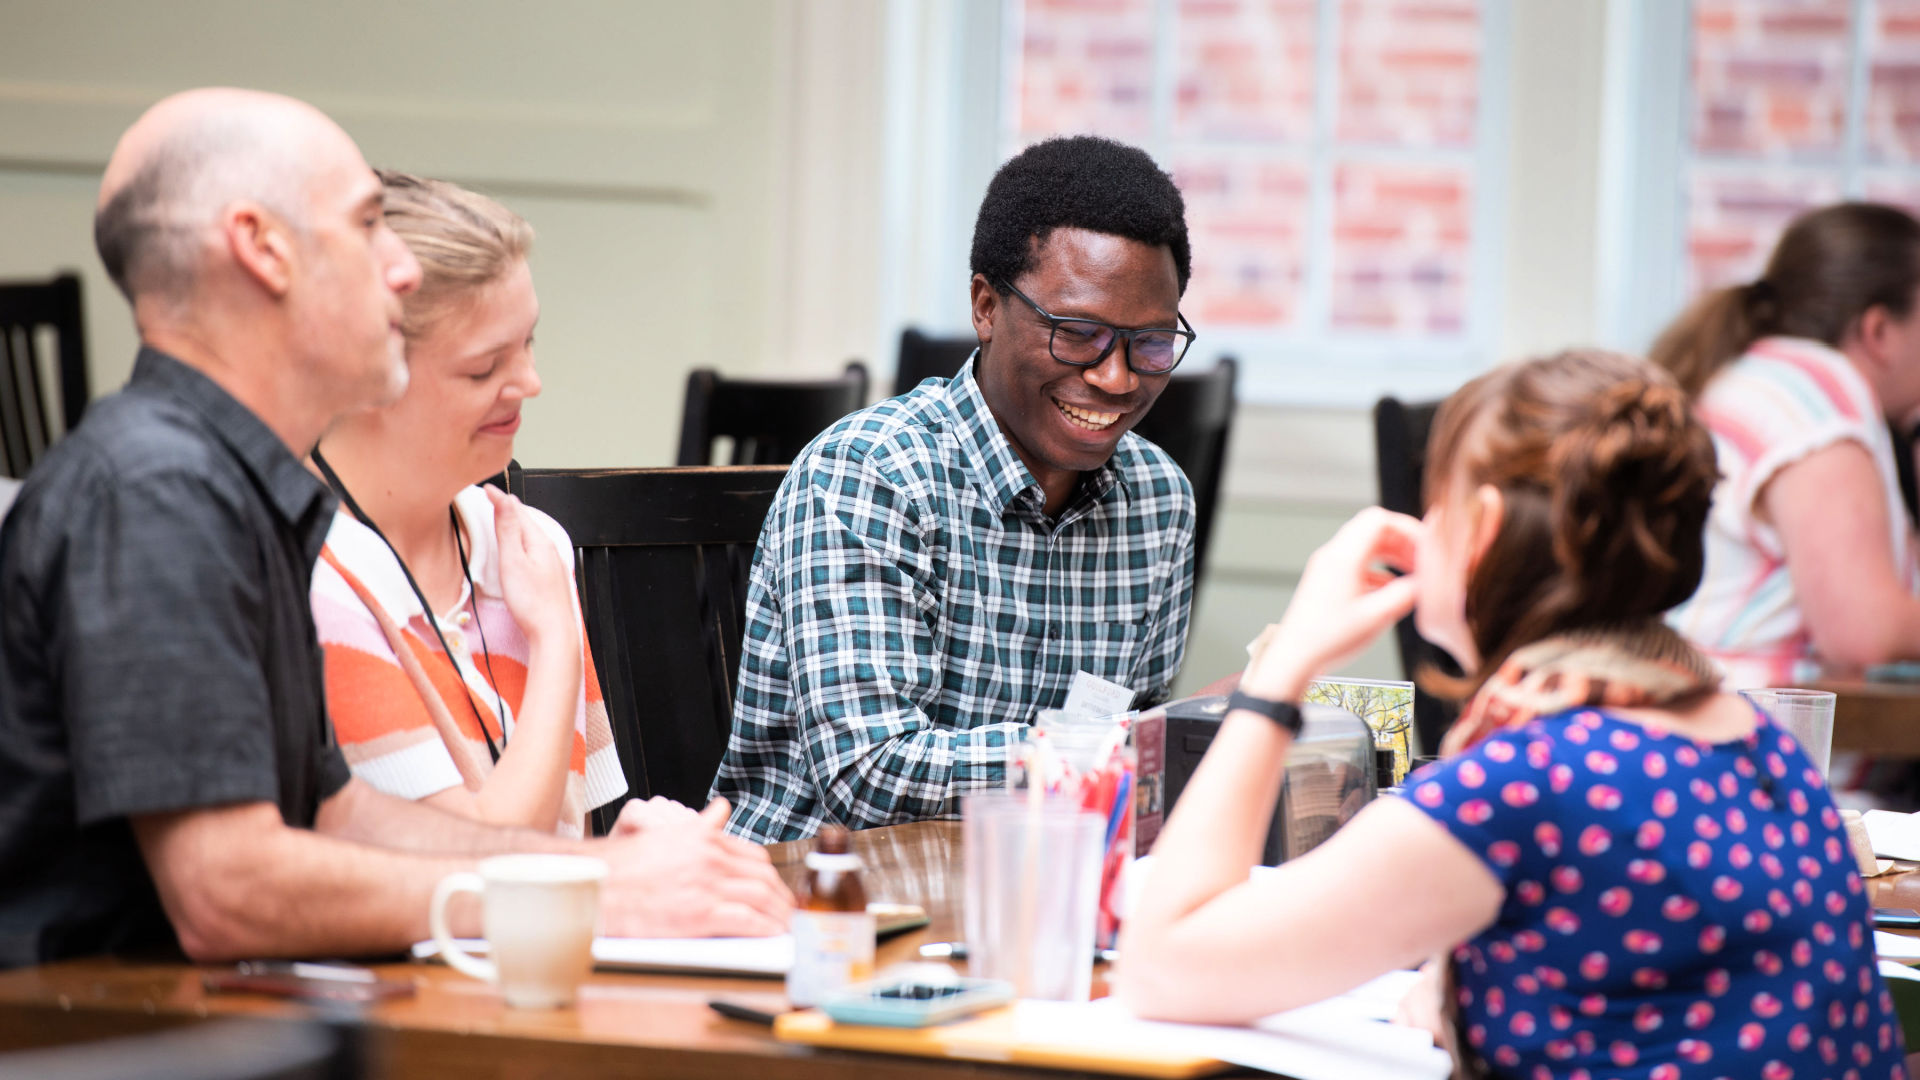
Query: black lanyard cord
(433, 621)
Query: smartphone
(305, 981)
(912, 1001)
(1904, 671)
(1896, 917)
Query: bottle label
(831, 949)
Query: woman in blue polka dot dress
(1621, 871)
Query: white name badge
(1091, 695)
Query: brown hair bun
(1607, 479)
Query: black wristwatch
(1284, 713)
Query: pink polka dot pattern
(1675, 909)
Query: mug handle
(460, 960)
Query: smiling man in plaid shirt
(936, 568)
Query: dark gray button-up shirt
(157, 653)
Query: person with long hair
(1810, 553)
(1620, 870)
(456, 665)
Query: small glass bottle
(832, 929)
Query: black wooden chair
(1400, 433)
(768, 420)
(924, 357)
(1191, 422)
(662, 557)
(28, 379)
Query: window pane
(1897, 189)
(1247, 217)
(1084, 66)
(1893, 102)
(1734, 217)
(1402, 245)
(1409, 72)
(1246, 69)
(1770, 76)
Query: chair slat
(27, 412)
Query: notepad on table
(764, 957)
(1342, 1038)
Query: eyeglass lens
(1080, 342)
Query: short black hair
(1078, 182)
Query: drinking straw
(1028, 898)
(1119, 810)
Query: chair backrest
(1191, 421)
(924, 357)
(769, 421)
(1400, 433)
(662, 557)
(26, 407)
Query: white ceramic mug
(539, 914)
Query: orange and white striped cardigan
(400, 706)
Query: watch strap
(1284, 713)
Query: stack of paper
(767, 957)
(1342, 1038)
(1896, 947)
(1894, 836)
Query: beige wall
(642, 139)
(711, 186)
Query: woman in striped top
(1810, 552)
(456, 665)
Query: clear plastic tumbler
(1806, 714)
(1033, 888)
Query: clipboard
(997, 1036)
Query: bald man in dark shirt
(168, 778)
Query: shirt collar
(296, 494)
(999, 473)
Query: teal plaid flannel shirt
(911, 607)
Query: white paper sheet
(1894, 836)
(767, 957)
(1896, 946)
(1337, 1039)
(1893, 969)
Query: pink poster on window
(1084, 66)
(1893, 81)
(1734, 216)
(1409, 72)
(1402, 248)
(1245, 70)
(1247, 217)
(1770, 77)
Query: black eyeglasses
(1086, 342)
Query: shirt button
(1053, 630)
(457, 640)
(463, 618)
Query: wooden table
(623, 1026)
(1877, 717)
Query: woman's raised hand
(1348, 593)
(533, 578)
